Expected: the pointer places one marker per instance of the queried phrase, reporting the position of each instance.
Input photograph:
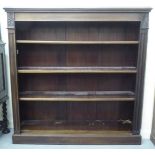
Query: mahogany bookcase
(77, 74)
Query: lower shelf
(81, 126)
(48, 132)
(112, 138)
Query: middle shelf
(76, 96)
(77, 70)
(74, 42)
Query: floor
(6, 143)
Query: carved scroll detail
(11, 20)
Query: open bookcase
(77, 74)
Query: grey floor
(6, 143)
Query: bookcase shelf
(98, 126)
(108, 70)
(74, 42)
(77, 74)
(77, 96)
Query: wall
(150, 71)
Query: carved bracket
(11, 20)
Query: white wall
(150, 71)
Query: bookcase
(77, 74)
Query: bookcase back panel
(77, 30)
(77, 115)
(77, 55)
(77, 82)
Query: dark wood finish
(14, 83)
(76, 96)
(77, 82)
(116, 138)
(77, 74)
(3, 88)
(63, 126)
(61, 115)
(77, 56)
(140, 74)
(77, 32)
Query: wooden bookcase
(77, 74)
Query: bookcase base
(77, 139)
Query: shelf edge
(76, 99)
(74, 42)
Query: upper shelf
(74, 42)
(77, 70)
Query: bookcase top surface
(78, 9)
